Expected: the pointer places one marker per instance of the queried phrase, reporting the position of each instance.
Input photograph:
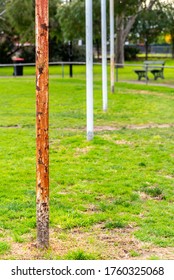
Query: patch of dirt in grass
(149, 93)
(143, 126)
(118, 244)
(10, 126)
(106, 127)
(149, 83)
(117, 142)
(122, 142)
(169, 176)
(84, 150)
(115, 128)
(144, 196)
(150, 126)
(91, 209)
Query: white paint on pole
(89, 70)
(112, 62)
(104, 55)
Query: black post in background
(70, 57)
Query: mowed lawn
(110, 198)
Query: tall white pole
(112, 62)
(89, 70)
(104, 55)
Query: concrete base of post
(90, 135)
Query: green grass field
(110, 198)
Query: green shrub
(130, 52)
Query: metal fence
(123, 73)
(155, 49)
(16, 69)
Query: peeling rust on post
(42, 124)
(44, 26)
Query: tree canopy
(169, 23)
(67, 20)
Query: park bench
(155, 67)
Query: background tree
(72, 14)
(126, 14)
(2, 9)
(71, 17)
(169, 22)
(21, 15)
(148, 26)
(19, 28)
(15, 22)
(7, 40)
(67, 22)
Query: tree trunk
(120, 40)
(123, 31)
(172, 41)
(146, 49)
(98, 49)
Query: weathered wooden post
(112, 60)
(42, 123)
(89, 69)
(104, 55)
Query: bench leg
(157, 74)
(141, 74)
